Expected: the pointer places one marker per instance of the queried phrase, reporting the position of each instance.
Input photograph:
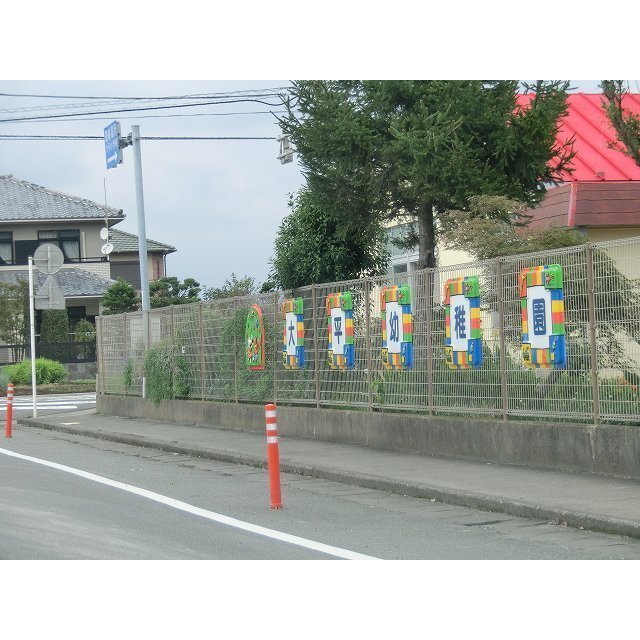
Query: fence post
(367, 320)
(316, 362)
(235, 351)
(202, 351)
(99, 356)
(173, 351)
(502, 341)
(592, 333)
(428, 346)
(125, 346)
(275, 346)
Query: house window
(67, 239)
(6, 247)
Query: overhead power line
(45, 137)
(166, 115)
(155, 108)
(93, 105)
(184, 97)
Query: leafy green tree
(14, 316)
(169, 290)
(85, 331)
(495, 226)
(317, 243)
(420, 148)
(120, 298)
(232, 288)
(626, 123)
(54, 334)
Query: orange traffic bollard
(7, 431)
(273, 456)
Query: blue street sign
(112, 148)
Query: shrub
(127, 376)
(4, 380)
(47, 372)
(54, 333)
(167, 375)
(85, 331)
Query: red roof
(588, 122)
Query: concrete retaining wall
(610, 450)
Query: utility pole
(114, 144)
(142, 234)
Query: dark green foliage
(127, 376)
(626, 123)
(54, 334)
(316, 243)
(14, 316)
(158, 370)
(167, 373)
(47, 372)
(232, 288)
(85, 331)
(495, 226)
(169, 290)
(376, 149)
(120, 298)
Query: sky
(218, 202)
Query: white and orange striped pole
(273, 456)
(7, 431)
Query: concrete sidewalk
(589, 501)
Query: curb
(459, 497)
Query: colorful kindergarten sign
(293, 335)
(542, 304)
(463, 335)
(254, 339)
(397, 327)
(341, 354)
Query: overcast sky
(218, 202)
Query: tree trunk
(426, 236)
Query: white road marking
(204, 513)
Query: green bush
(54, 333)
(85, 331)
(47, 372)
(167, 375)
(4, 380)
(127, 376)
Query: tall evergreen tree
(382, 149)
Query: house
(31, 215)
(125, 261)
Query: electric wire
(85, 105)
(18, 137)
(148, 108)
(167, 115)
(187, 96)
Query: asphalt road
(48, 513)
(56, 403)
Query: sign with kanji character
(293, 335)
(254, 339)
(341, 353)
(542, 305)
(397, 327)
(463, 335)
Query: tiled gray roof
(73, 282)
(20, 200)
(124, 242)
